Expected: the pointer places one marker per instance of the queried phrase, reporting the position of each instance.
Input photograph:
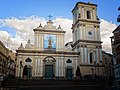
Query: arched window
(68, 61)
(28, 60)
(88, 15)
(91, 57)
(118, 50)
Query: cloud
(106, 29)
(23, 28)
(66, 25)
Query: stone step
(51, 82)
(43, 84)
(61, 87)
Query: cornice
(88, 41)
(84, 20)
(3, 55)
(47, 52)
(90, 4)
(49, 30)
(91, 65)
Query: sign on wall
(49, 42)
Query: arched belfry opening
(27, 70)
(88, 15)
(49, 67)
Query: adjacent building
(7, 62)
(115, 43)
(107, 59)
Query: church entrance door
(27, 71)
(48, 71)
(69, 73)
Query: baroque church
(50, 57)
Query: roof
(89, 3)
(107, 53)
(69, 43)
(117, 29)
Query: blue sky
(107, 9)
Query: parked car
(116, 85)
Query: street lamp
(98, 68)
(106, 86)
(95, 66)
(92, 69)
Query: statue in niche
(50, 43)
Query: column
(62, 67)
(73, 37)
(95, 33)
(83, 15)
(82, 55)
(35, 39)
(41, 67)
(42, 41)
(98, 33)
(63, 41)
(100, 54)
(59, 67)
(81, 32)
(77, 33)
(85, 54)
(88, 58)
(35, 66)
(96, 55)
(57, 64)
(93, 15)
(84, 32)
(39, 41)
(58, 41)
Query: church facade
(50, 57)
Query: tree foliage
(78, 73)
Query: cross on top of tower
(49, 17)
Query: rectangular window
(105, 60)
(91, 57)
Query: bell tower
(85, 22)
(86, 33)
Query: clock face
(90, 33)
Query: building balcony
(116, 42)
